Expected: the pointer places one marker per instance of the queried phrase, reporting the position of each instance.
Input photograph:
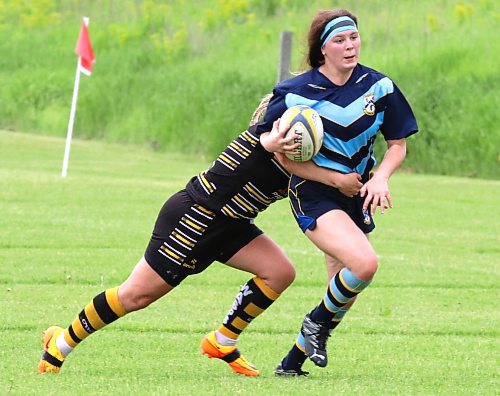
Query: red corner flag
(84, 50)
(85, 61)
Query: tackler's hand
(278, 141)
(348, 184)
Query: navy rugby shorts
(187, 238)
(310, 200)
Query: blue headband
(336, 26)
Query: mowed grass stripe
(428, 324)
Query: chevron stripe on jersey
(344, 115)
(352, 114)
(354, 131)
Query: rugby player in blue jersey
(210, 220)
(355, 102)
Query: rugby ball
(305, 122)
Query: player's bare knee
(279, 277)
(366, 268)
(288, 275)
(369, 268)
(135, 301)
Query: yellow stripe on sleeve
(228, 212)
(243, 203)
(206, 183)
(257, 195)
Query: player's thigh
(264, 258)
(339, 237)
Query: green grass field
(429, 324)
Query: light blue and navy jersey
(352, 114)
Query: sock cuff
(268, 292)
(225, 340)
(114, 301)
(351, 282)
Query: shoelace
(323, 334)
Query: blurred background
(186, 76)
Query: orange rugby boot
(52, 359)
(230, 354)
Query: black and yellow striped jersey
(243, 181)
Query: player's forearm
(310, 171)
(393, 158)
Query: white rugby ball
(305, 122)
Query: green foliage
(187, 75)
(29, 14)
(428, 324)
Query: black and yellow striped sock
(104, 309)
(254, 298)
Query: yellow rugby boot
(230, 354)
(52, 359)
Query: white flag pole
(71, 122)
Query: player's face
(342, 51)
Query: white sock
(62, 345)
(223, 340)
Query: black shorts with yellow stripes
(187, 238)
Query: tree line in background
(187, 75)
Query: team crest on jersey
(369, 108)
(366, 217)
